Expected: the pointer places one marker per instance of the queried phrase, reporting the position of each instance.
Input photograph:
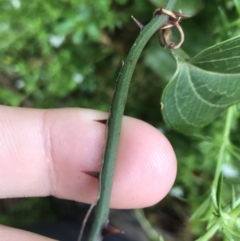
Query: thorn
(138, 23)
(92, 174)
(110, 230)
(103, 121)
(161, 105)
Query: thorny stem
(115, 120)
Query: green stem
(146, 225)
(211, 231)
(221, 159)
(224, 145)
(115, 120)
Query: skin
(44, 152)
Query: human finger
(46, 152)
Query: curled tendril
(165, 31)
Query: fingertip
(149, 166)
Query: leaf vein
(196, 93)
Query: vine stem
(115, 121)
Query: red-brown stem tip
(110, 230)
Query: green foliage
(49, 48)
(224, 219)
(202, 87)
(220, 203)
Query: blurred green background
(68, 53)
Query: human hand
(45, 152)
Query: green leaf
(202, 87)
(219, 193)
(203, 210)
(221, 58)
(233, 233)
(233, 200)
